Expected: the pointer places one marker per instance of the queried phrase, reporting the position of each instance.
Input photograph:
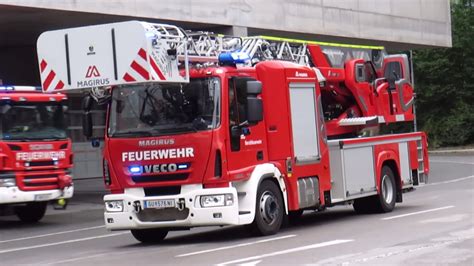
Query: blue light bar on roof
(233, 58)
(19, 88)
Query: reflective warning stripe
(43, 66)
(49, 78)
(140, 68)
(156, 69)
(128, 78)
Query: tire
(149, 235)
(294, 216)
(269, 210)
(32, 212)
(388, 191)
(363, 205)
(383, 202)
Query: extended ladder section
(206, 46)
(111, 54)
(333, 64)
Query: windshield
(32, 121)
(161, 109)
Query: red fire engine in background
(35, 153)
(210, 130)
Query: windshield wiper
(133, 133)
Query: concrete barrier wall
(421, 22)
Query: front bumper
(191, 216)
(11, 195)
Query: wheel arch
(247, 202)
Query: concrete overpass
(396, 24)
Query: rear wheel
(269, 209)
(388, 191)
(32, 212)
(383, 202)
(155, 235)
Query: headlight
(114, 206)
(7, 182)
(217, 200)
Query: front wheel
(269, 209)
(154, 235)
(32, 212)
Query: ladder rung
(359, 121)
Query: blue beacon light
(135, 169)
(233, 58)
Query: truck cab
(35, 152)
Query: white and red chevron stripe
(50, 81)
(140, 69)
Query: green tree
(445, 83)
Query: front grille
(39, 182)
(41, 163)
(161, 215)
(160, 178)
(162, 191)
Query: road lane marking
(447, 182)
(60, 243)
(287, 251)
(53, 234)
(234, 246)
(415, 213)
(251, 263)
(446, 219)
(456, 162)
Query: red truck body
(35, 153)
(270, 142)
(236, 140)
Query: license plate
(159, 204)
(40, 197)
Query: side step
(357, 121)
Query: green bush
(444, 83)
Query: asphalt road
(434, 225)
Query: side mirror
(254, 104)
(87, 103)
(87, 124)
(254, 110)
(254, 87)
(95, 142)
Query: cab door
(246, 141)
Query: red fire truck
(202, 136)
(35, 153)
